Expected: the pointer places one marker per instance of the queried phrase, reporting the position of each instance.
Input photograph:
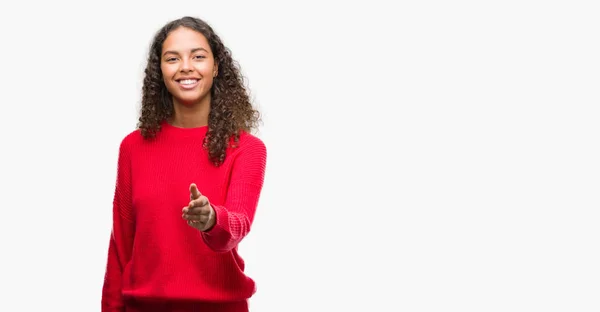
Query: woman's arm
(234, 218)
(121, 239)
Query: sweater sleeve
(234, 218)
(121, 238)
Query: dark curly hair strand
(231, 110)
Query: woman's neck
(190, 116)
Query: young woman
(188, 182)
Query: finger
(200, 202)
(192, 210)
(203, 210)
(193, 224)
(199, 218)
(194, 192)
(187, 216)
(196, 224)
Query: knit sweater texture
(153, 254)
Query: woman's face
(188, 66)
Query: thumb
(194, 191)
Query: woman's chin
(188, 100)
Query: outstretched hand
(199, 213)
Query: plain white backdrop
(423, 155)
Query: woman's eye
(171, 59)
(200, 56)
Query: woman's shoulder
(249, 140)
(131, 139)
(250, 150)
(249, 145)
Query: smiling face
(188, 67)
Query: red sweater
(153, 254)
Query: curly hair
(230, 109)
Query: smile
(188, 83)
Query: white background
(423, 156)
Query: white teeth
(188, 81)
